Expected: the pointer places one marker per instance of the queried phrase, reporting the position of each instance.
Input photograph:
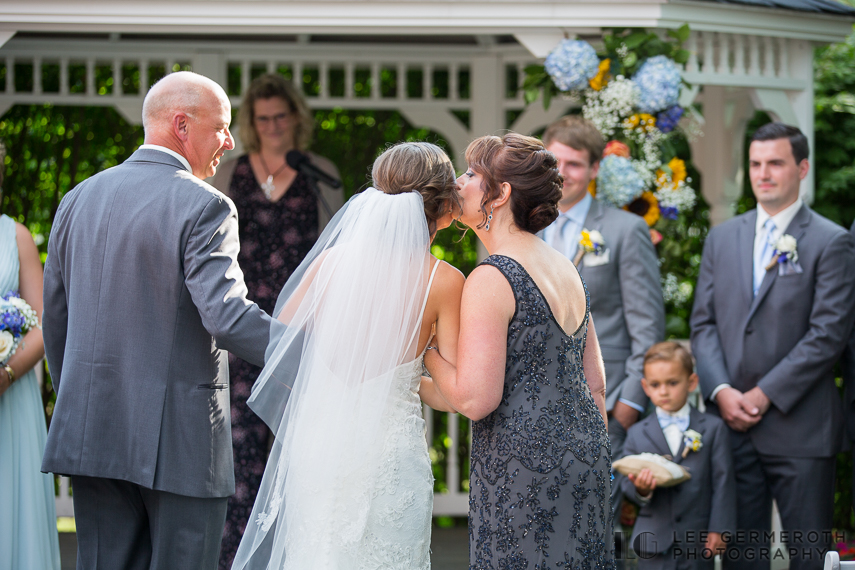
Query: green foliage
(834, 158)
(51, 149)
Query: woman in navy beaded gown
(529, 373)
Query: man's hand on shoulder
(737, 411)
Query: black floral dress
(541, 471)
(274, 239)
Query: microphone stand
(313, 184)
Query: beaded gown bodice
(540, 469)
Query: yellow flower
(592, 187)
(678, 170)
(641, 121)
(646, 206)
(678, 174)
(602, 77)
(586, 242)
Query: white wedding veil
(352, 312)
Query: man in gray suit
(143, 295)
(774, 305)
(623, 281)
(847, 365)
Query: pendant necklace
(268, 187)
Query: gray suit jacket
(706, 502)
(626, 300)
(847, 365)
(142, 295)
(787, 338)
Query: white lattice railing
(119, 73)
(719, 58)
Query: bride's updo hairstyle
(418, 167)
(530, 169)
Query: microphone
(301, 163)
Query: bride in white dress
(349, 484)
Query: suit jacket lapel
(655, 434)
(745, 241)
(593, 221)
(796, 229)
(696, 422)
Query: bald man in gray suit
(767, 327)
(143, 296)
(623, 282)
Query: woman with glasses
(280, 219)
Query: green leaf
(635, 39)
(547, 97)
(630, 59)
(682, 56)
(534, 69)
(530, 95)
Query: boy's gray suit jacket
(704, 503)
(142, 297)
(785, 340)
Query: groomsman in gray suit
(847, 365)
(774, 306)
(623, 280)
(143, 295)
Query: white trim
(749, 20)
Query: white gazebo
(435, 61)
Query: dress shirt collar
(681, 413)
(168, 151)
(579, 211)
(782, 219)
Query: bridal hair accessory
(785, 252)
(489, 218)
(268, 187)
(591, 241)
(691, 442)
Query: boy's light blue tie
(559, 242)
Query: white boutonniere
(691, 442)
(785, 251)
(591, 241)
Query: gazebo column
(487, 115)
(718, 153)
(794, 107)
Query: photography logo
(645, 546)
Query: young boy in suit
(680, 527)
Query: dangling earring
(489, 218)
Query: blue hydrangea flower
(618, 182)
(667, 120)
(658, 81)
(572, 64)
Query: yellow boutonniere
(691, 442)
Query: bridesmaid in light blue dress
(28, 535)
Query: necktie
(682, 422)
(559, 242)
(673, 428)
(764, 255)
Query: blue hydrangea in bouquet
(631, 93)
(17, 318)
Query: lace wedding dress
(349, 482)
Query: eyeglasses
(264, 120)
